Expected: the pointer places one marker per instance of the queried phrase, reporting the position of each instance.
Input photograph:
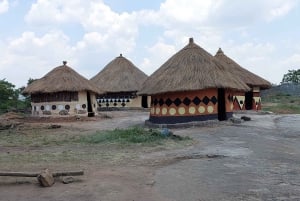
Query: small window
(83, 106)
(53, 107)
(42, 107)
(67, 107)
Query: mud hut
(121, 80)
(250, 100)
(191, 86)
(62, 91)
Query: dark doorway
(221, 105)
(89, 105)
(144, 101)
(248, 100)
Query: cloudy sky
(37, 35)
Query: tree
(293, 77)
(27, 100)
(8, 96)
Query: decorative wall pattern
(195, 103)
(239, 101)
(184, 106)
(114, 102)
(181, 107)
(64, 107)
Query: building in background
(63, 91)
(249, 100)
(191, 86)
(121, 80)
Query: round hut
(62, 91)
(191, 86)
(121, 80)
(250, 100)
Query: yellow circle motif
(164, 111)
(157, 110)
(210, 109)
(181, 110)
(152, 110)
(192, 110)
(201, 109)
(172, 111)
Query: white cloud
(292, 62)
(190, 12)
(259, 58)
(53, 12)
(4, 6)
(33, 56)
(156, 56)
(105, 33)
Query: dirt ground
(253, 160)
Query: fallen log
(19, 174)
(45, 177)
(54, 174)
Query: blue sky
(37, 35)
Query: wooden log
(19, 174)
(54, 174)
(71, 173)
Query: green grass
(282, 103)
(135, 135)
(40, 147)
(39, 137)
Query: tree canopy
(8, 95)
(293, 77)
(11, 99)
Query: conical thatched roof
(61, 78)
(192, 68)
(120, 75)
(248, 77)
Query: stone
(235, 120)
(245, 118)
(45, 178)
(67, 180)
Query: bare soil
(253, 160)
(112, 172)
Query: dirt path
(255, 160)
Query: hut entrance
(89, 105)
(144, 101)
(221, 105)
(248, 100)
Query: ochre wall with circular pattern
(191, 103)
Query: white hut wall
(61, 103)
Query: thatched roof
(248, 77)
(192, 68)
(61, 78)
(120, 75)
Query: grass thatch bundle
(61, 78)
(248, 77)
(192, 68)
(120, 75)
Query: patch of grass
(282, 103)
(135, 135)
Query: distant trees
(293, 77)
(10, 97)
